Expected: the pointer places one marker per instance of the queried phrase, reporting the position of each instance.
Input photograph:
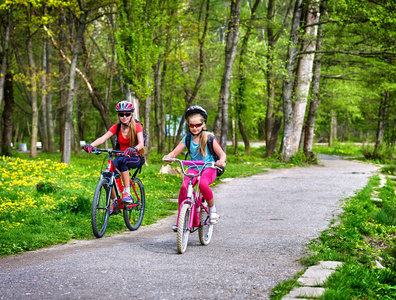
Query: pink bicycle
(193, 211)
(101, 204)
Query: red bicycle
(110, 180)
(193, 211)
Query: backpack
(117, 144)
(211, 138)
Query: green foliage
(300, 158)
(390, 169)
(136, 47)
(342, 149)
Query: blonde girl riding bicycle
(196, 118)
(130, 140)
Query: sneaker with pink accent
(214, 218)
(126, 198)
(114, 208)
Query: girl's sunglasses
(124, 114)
(196, 125)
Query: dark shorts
(124, 163)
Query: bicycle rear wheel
(183, 231)
(205, 230)
(101, 208)
(133, 213)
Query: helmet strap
(126, 124)
(198, 132)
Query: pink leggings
(207, 177)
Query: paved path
(266, 221)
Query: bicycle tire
(133, 214)
(205, 229)
(101, 208)
(183, 231)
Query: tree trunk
(304, 74)
(333, 128)
(276, 126)
(274, 107)
(288, 124)
(382, 118)
(33, 85)
(162, 89)
(16, 131)
(245, 137)
(315, 102)
(62, 83)
(269, 120)
(67, 147)
(147, 124)
(234, 137)
(157, 81)
(49, 116)
(221, 122)
(44, 136)
(8, 114)
(4, 56)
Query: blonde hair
(204, 135)
(133, 139)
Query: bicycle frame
(194, 197)
(114, 176)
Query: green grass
(364, 233)
(44, 202)
(342, 149)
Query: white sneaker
(174, 228)
(214, 218)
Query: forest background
(287, 72)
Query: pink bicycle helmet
(125, 106)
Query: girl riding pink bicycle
(196, 118)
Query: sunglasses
(196, 125)
(124, 114)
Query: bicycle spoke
(133, 213)
(101, 208)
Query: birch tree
(80, 29)
(315, 100)
(288, 123)
(304, 72)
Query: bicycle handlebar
(110, 151)
(183, 163)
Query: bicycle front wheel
(183, 231)
(133, 213)
(205, 230)
(101, 208)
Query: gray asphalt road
(266, 220)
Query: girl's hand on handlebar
(220, 163)
(130, 151)
(167, 158)
(88, 148)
